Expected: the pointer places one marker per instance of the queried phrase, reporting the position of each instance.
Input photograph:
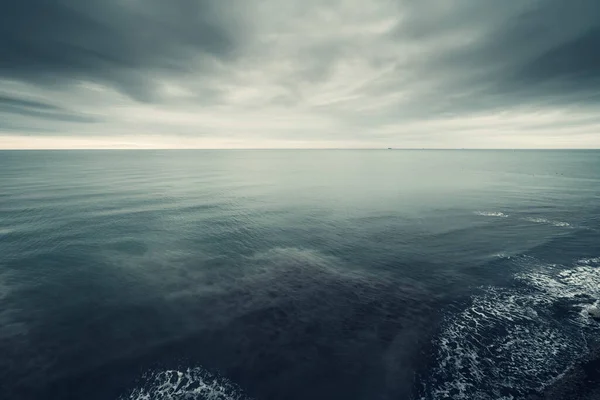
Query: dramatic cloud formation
(290, 73)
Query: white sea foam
(192, 383)
(589, 261)
(491, 214)
(580, 281)
(504, 256)
(592, 310)
(5, 231)
(547, 222)
(510, 341)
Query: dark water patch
(580, 382)
(293, 326)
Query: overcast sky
(299, 73)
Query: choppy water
(296, 274)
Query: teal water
(295, 274)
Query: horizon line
(299, 148)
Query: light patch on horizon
(291, 74)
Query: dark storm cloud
(11, 127)
(576, 62)
(38, 109)
(7, 101)
(124, 43)
(567, 35)
(545, 51)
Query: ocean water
(130, 275)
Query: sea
(299, 274)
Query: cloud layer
(288, 73)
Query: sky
(299, 74)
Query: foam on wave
(589, 261)
(536, 220)
(593, 310)
(190, 384)
(491, 214)
(548, 222)
(510, 342)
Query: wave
(547, 221)
(491, 214)
(593, 310)
(580, 281)
(513, 341)
(190, 384)
(589, 261)
(535, 220)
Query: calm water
(296, 274)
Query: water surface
(296, 274)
